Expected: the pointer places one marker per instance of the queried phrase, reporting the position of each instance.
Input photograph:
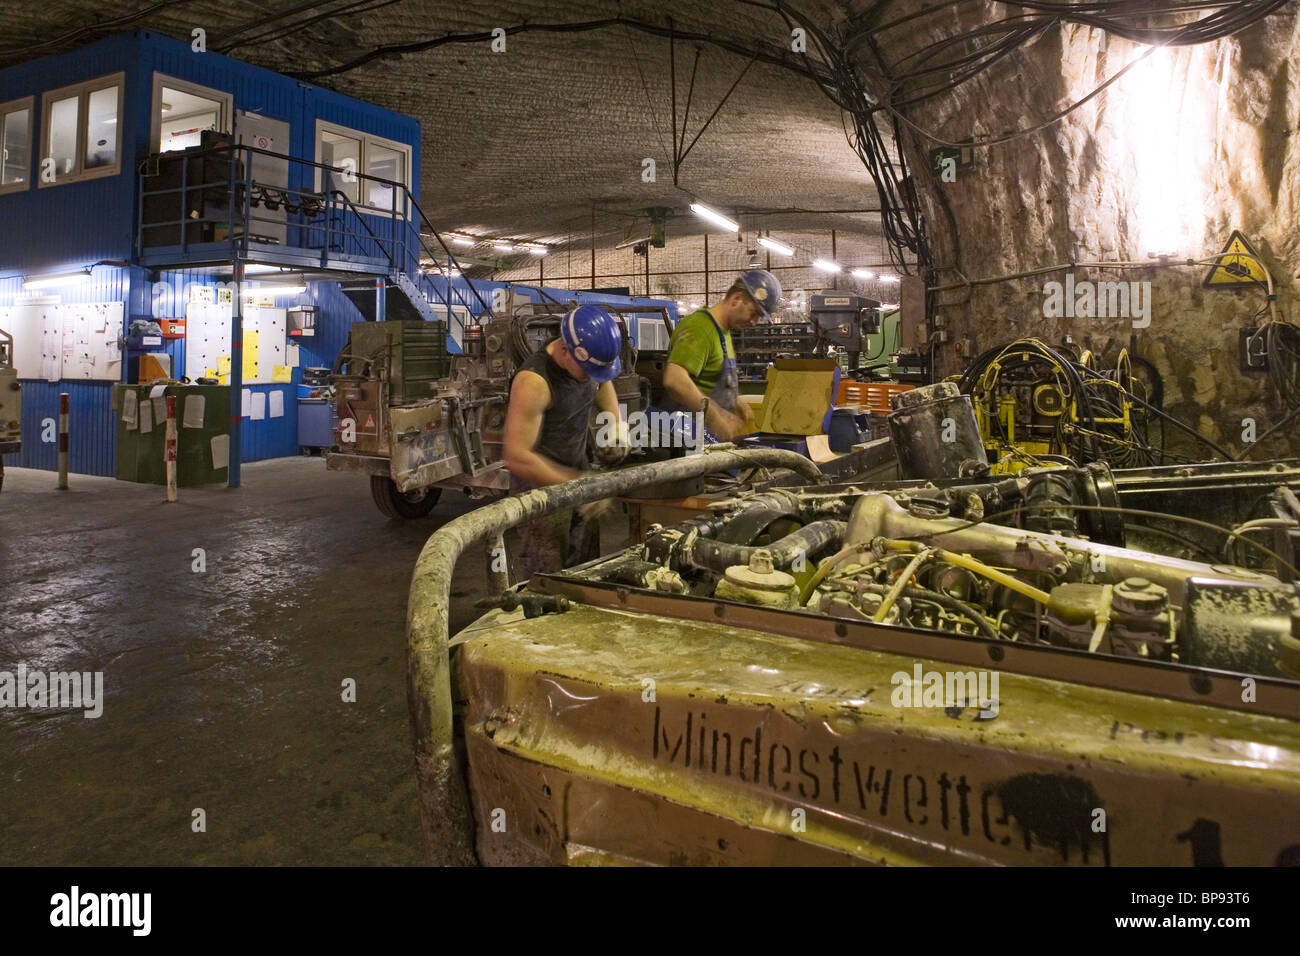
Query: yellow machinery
(871, 673)
(1034, 404)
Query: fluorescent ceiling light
(536, 248)
(256, 268)
(886, 278)
(275, 290)
(862, 274)
(825, 265)
(704, 212)
(775, 246)
(50, 281)
(503, 247)
(460, 240)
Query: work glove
(611, 455)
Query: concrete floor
(223, 689)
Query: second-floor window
(16, 140)
(357, 154)
(81, 134)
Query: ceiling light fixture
(886, 278)
(862, 274)
(778, 247)
(49, 281)
(717, 218)
(275, 290)
(825, 265)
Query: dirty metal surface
(605, 736)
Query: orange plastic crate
(872, 395)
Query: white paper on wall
(246, 402)
(193, 414)
(258, 412)
(129, 408)
(146, 416)
(277, 404)
(220, 451)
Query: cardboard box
(798, 397)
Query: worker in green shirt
(700, 374)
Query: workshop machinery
(1065, 665)
(11, 396)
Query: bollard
(63, 441)
(169, 453)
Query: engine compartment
(1058, 557)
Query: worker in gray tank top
(551, 398)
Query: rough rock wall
(1210, 136)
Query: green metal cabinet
(140, 454)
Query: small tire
(402, 504)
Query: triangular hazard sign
(370, 422)
(1237, 265)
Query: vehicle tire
(402, 504)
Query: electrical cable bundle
(1092, 432)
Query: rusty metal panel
(607, 736)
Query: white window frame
(224, 120)
(27, 103)
(367, 140)
(82, 92)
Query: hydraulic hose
(445, 816)
(711, 555)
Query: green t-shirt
(695, 347)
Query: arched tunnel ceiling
(526, 143)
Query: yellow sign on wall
(1237, 265)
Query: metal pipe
(63, 441)
(445, 817)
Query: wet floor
(223, 688)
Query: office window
(184, 111)
(16, 141)
(385, 163)
(80, 131)
(343, 152)
(363, 154)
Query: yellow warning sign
(1237, 265)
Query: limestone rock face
(1190, 144)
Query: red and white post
(63, 441)
(169, 454)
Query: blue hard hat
(595, 340)
(764, 289)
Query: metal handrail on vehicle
(445, 816)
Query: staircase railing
(227, 197)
